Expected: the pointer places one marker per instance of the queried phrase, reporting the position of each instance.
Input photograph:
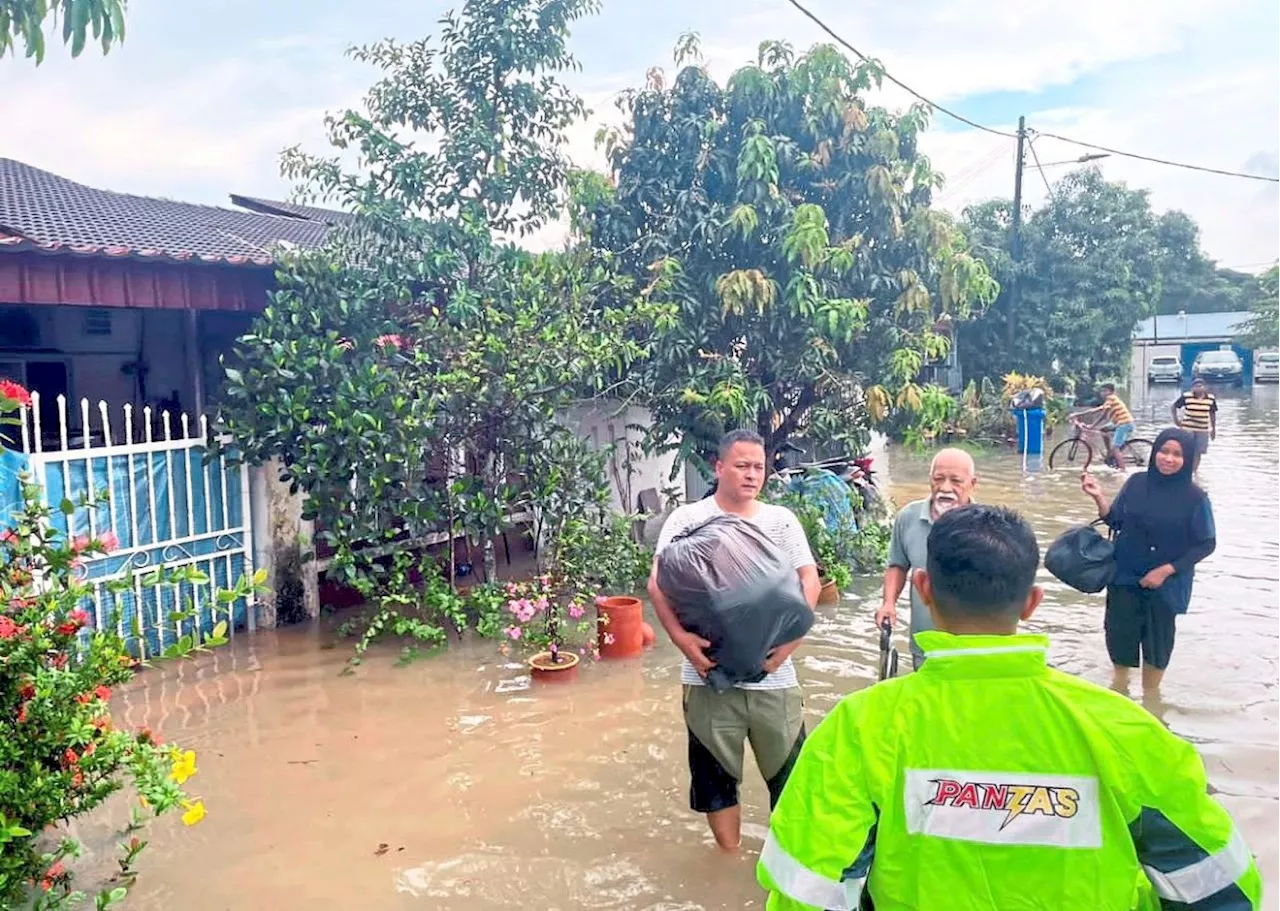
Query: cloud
(1177, 79)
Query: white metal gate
(168, 503)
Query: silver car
(1165, 369)
(1266, 367)
(1221, 366)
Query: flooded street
(452, 784)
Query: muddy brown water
(454, 784)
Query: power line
(933, 104)
(1165, 161)
(978, 126)
(1039, 167)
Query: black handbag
(1082, 558)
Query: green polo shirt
(909, 550)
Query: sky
(204, 94)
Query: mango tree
(793, 220)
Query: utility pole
(1015, 236)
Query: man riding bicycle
(1119, 424)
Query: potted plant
(548, 613)
(830, 546)
(618, 566)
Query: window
(97, 322)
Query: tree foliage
(1095, 261)
(411, 376)
(1089, 272)
(792, 220)
(24, 21)
(1262, 330)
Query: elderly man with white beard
(952, 477)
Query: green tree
(793, 220)
(1262, 330)
(410, 377)
(24, 21)
(1189, 280)
(1090, 271)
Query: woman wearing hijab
(1164, 527)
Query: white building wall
(603, 424)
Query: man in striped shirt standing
(769, 713)
(1199, 415)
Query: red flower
(70, 757)
(103, 693)
(145, 736)
(77, 780)
(76, 620)
(55, 872)
(22, 713)
(28, 691)
(60, 661)
(8, 629)
(12, 391)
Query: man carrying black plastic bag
(768, 712)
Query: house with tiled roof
(131, 299)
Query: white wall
(97, 361)
(603, 424)
(1141, 360)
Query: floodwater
(454, 784)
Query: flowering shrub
(548, 613)
(60, 754)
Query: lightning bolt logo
(1019, 798)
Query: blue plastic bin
(1030, 423)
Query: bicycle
(1135, 451)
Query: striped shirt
(1117, 411)
(1198, 411)
(780, 526)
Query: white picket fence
(167, 500)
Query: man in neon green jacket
(988, 781)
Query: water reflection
(454, 784)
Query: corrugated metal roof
(1192, 327)
(52, 214)
(292, 210)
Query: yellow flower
(195, 812)
(184, 765)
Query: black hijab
(1168, 497)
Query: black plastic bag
(1082, 558)
(730, 584)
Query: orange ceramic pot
(620, 626)
(545, 671)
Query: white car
(1266, 367)
(1165, 369)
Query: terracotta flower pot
(619, 624)
(829, 593)
(563, 671)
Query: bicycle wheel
(1136, 451)
(1069, 452)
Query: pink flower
(8, 536)
(513, 632)
(79, 544)
(576, 611)
(109, 541)
(608, 639)
(389, 341)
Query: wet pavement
(454, 784)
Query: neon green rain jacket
(988, 782)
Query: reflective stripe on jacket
(986, 781)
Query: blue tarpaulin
(166, 508)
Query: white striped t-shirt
(780, 526)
